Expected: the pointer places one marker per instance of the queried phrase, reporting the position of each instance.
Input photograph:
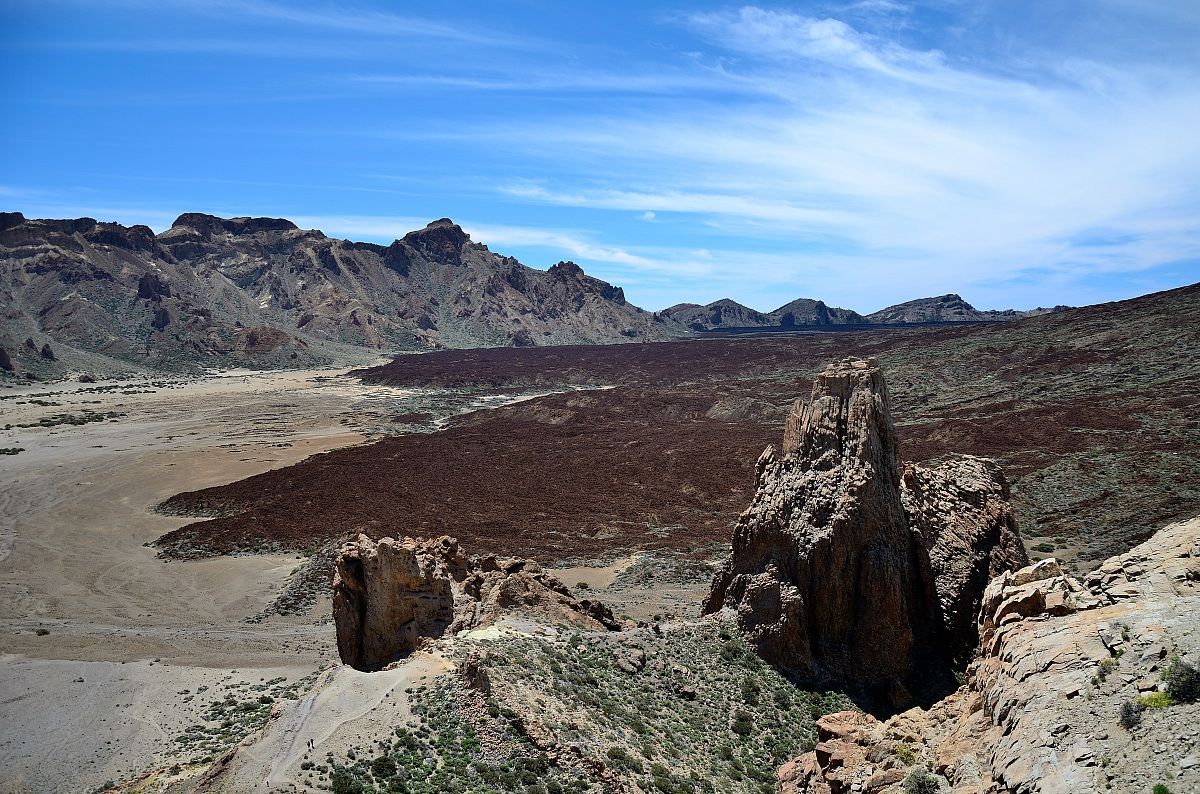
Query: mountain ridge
(727, 313)
(84, 295)
(231, 291)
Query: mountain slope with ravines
(261, 292)
(83, 295)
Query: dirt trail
(347, 708)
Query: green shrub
(344, 782)
(1131, 714)
(383, 767)
(751, 690)
(617, 754)
(919, 781)
(1159, 788)
(1183, 682)
(731, 651)
(1155, 700)
(743, 723)
(906, 754)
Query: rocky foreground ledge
(1041, 707)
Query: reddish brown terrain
(1094, 414)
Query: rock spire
(848, 568)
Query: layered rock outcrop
(390, 595)
(1040, 709)
(848, 569)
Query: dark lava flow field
(1094, 412)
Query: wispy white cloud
(565, 80)
(717, 204)
(558, 243)
(909, 168)
(766, 33)
(329, 17)
(574, 244)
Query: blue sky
(1019, 153)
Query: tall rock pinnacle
(830, 575)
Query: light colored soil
(595, 577)
(76, 508)
(98, 695)
(347, 710)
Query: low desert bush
(1131, 714)
(920, 781)
(1183, 682)
(345, 782)
(1155, 700)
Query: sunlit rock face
(390, 596)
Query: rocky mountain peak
(572, 277)
(566, 269)
(440, 241)
(209, 225)
(10, 219)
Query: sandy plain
(105, 648)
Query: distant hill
(947, 309)
(808, 312)
(80, 294)
(727, 313)
(724, 313)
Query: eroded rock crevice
(1044, 704)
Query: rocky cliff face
(183, 297)
(958, 511)
(390, 595)
(846, 569)
(1041, 709)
